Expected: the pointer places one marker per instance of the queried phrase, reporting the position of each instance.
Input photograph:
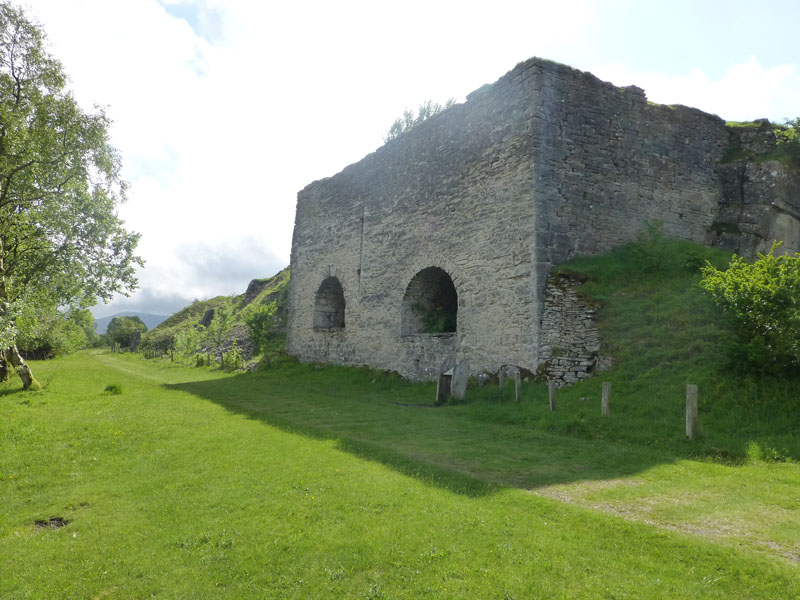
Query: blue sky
(224, 109)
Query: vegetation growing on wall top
(409, 120)
(777, 142)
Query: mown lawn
(306, 482)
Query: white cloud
(744, 92)
(224, 109)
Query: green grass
(311, 482)
(664, 333)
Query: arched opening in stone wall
(430, 304)
(329, 305)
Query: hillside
(663, 332)
(199, 314)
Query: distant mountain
(150, 320)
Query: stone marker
(605, 404)
(518, 385)
(444, 383)
(458, 385)
(691, 411)
(501, 376)
(552, 389)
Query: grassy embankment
(304, 481)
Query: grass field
(308, 482)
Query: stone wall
(546, 164)
(570, 344)
(607, 163)
(453, 193)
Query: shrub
(260, 323)
(788, 138)
(762, 302)
(114, 389)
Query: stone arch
(329, 305)
(430, 303)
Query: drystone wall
(570, 344)
(546, 164)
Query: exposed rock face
(760, 198)
(546, 164)
(207, 317)
(254, 288)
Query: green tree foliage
(219, 326)
(61, 242)
(762, 301)
(84, 319)
(187, 341)
(51, 333)
(409, 120)
(789, 139)
(260, 323)
(126, 331)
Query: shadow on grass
(376, 417)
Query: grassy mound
(664, 333)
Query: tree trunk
(24, 371)
(4, 370)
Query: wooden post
(518, 385)
(552, 389)
(691, 411)
(605, 405)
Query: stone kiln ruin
(439, 245)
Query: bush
(126, 331)
(260, 323)
(410, 120)
(788, 138)
(762, 302)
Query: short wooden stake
(605, 404)
(691, 411)
(518, 385)
(552, 389)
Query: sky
(224, 109)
